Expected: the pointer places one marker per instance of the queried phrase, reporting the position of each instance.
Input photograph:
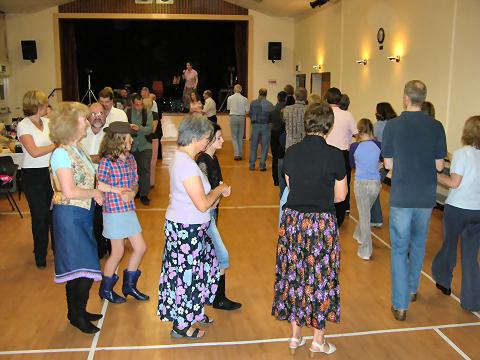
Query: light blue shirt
(466, 162)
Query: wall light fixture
(364, 62)
(317, 68)
(394, 58)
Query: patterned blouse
(119, 174)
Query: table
(17, 157)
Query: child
(364, 156)
(118, 179)
(208, 163)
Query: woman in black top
(307, 290)
(208, 163)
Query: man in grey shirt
(239, 107)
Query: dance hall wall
(43, 75)
(436, 40)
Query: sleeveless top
(83, 176)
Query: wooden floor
(33, 321)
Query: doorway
(301, 80)
(320, 83)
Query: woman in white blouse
(33, 134)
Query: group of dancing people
(307, 289)
(314, 167)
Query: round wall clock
(380, 35)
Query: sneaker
(376, 225)
(263, 169)
(413, 297)
(144, 200)
(251, 168)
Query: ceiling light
(394, 58)
(316, 3)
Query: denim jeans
(376, 216)
(220, 249)
(283, 201)
(464, 224)
(237, 128)
(260, 132)
(408, 233)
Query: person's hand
(215, 204)
(225, 189)
(135, 127)
(98, 197)
(127, 195)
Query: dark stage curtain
(241, 54)
(68, 51)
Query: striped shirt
(119, 174)
(293, 116)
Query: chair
(7, 167)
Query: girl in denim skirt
(117, 171)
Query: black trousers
(275, 147)
(143, 159)
(342, 207)
(213, 118)
(103, 244)
(39, 193)
(77, 291)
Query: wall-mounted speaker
(29, 50)
(274, 51)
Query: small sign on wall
(272, 82)
(164, 1)
(142, 2)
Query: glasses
(95, 114)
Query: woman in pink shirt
(196, 106)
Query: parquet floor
(33, 321)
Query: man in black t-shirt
(414, 145)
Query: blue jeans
(259, 132)
(237, 128)
(408, 233)
(220, 249)
(283, 201)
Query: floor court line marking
(452, 344)
(93, 347)
(452, 295)
(246, 342)
(226, 207)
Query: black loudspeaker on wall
(29, 50)
(274, 51)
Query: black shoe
(444, 290)
(93, 317)
(82, 324)
(237, 158)
(263, 169)
(251, 168)
(413, 297)
(226, 304)
(41, 264)
(144, 200)
(137, 195)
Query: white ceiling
(282, 8)
(28, 6)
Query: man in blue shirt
(414, 145)
(260, 111)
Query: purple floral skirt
(190, 274)
(306, 288)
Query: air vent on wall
(164, 1)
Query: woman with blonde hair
(461, 219)
(33, 133)
(195, 104)
(73, 179)
(364, 157)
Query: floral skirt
(306, 288)
(190, 274)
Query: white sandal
(320, 348)
(298, 342)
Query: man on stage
(191, 81)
